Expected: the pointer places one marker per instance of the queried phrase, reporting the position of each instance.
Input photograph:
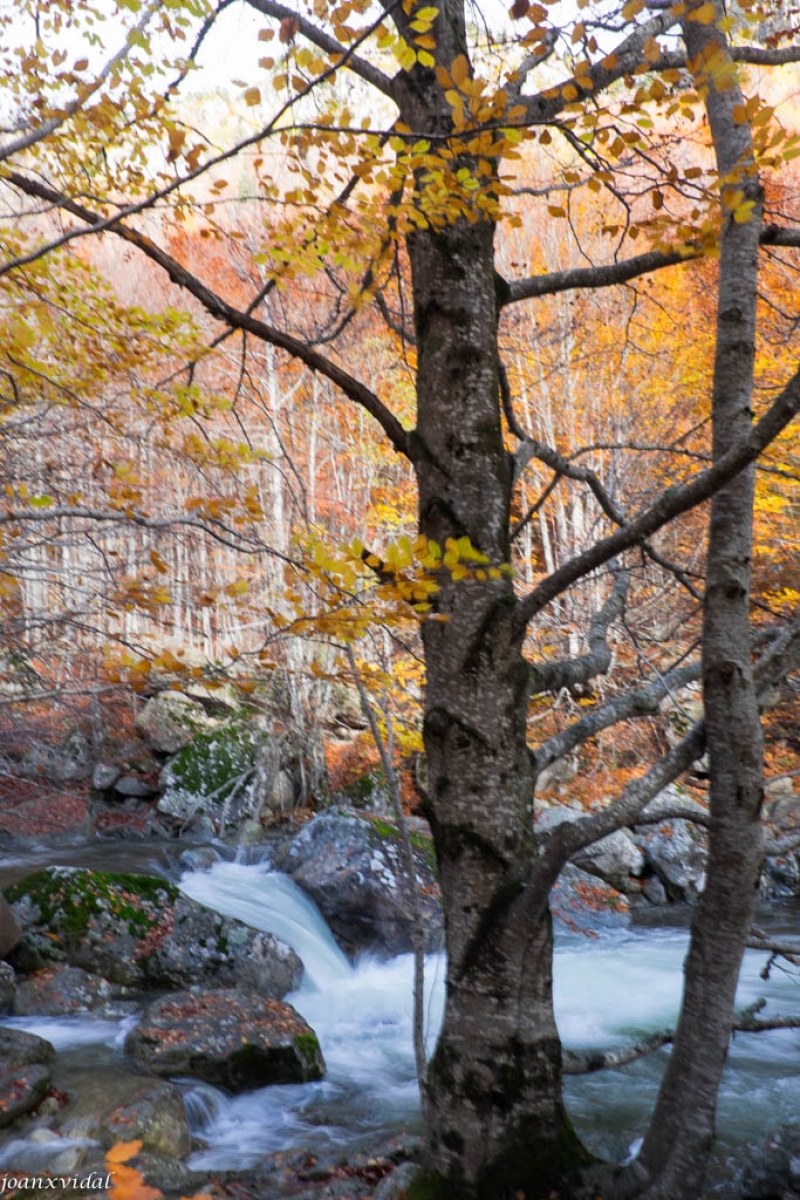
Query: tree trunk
(494, 1086)
(674, 1154)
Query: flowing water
(609, 989)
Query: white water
(607, 990)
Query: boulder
(232, 1039)
(21, 1089)
(781, 876)
(352, 867)
(20, 1049)
(110, 1105)
(8, 985)
(215, 775)
(616, 859)
(71, 762)
(10, 928)
(773, 1172)
(170, 720)
(57, 991)
(677, 859)
(585, 903)
(142, 932)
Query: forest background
(223, 317)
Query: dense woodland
(456, 349)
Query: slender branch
(324, 41)
(613, 274)
(39, 132)
(642, 703)
(575, 1063)
(224, 312)
(672, 503)
(551, 676)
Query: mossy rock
(213, 775)
(232, 1039)
(141, 931)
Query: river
(608, 989)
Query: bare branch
(574, 1063)
(324, 41)
(672, 503)
(550, 676)
(642, 703)
(221, 311)
(614, 274)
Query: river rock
(71, 762)
(233, 1039)
(21, 1089)
(781, 876)
(585, 903)
(170, 720)
(677, 859)
(110, 1105)
(8, 985)
(773, 1172)
(56, 991)
(10, 928)
(142, 932)
(616, 859)
(215, 775)
(19, 1049)
(352, 868)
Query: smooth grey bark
(671, 1165)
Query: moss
(214, 763)
(69, 898)
(420, 842)
(308, 1048)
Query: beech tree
(400, 197)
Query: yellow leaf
(705, 14)
(459, 70)
(252, 97)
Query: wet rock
(110, 1105)
(10, 928)
(170, 720)
(8, 985)
(56, 991)
(677, 859)
(584, 903)
(396, 1184)
(773, 1172)
(104, 776)
(233, 1039)
(616, 859)
(21, 1089)
(70, 762)
(142, 932)
(654, 890)
(19, 1049)
(214, 775)
(781, 876)
(352, 868)
(135, 788)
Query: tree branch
(672, 503)
(324, 41)
(575, 1063)
(613, 274)
(642, 703)
(550, 676)
(221, 311)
